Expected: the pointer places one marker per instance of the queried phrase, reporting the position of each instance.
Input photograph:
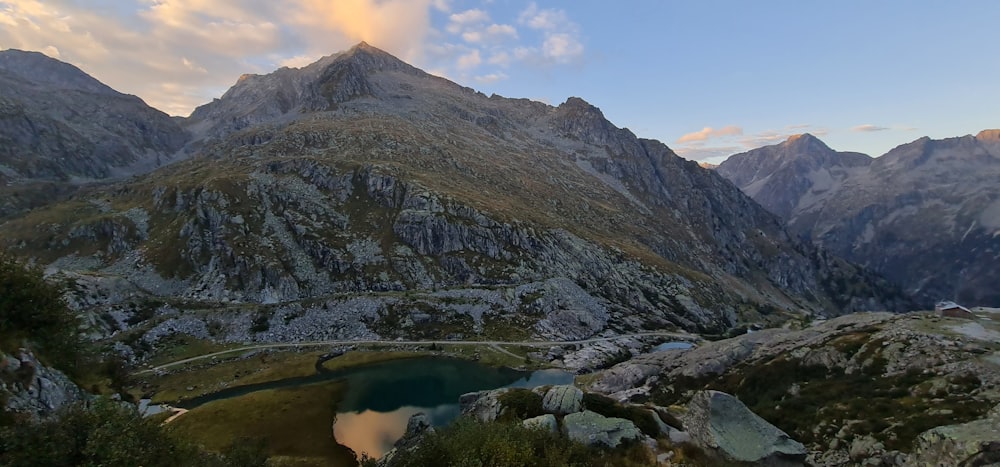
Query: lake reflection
(382, 397)
(372, 432)
(375, 432)
(372, 403)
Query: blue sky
(709, 78)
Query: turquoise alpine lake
(381, 397)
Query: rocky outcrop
(417, 427)
(720, 424)
(546, 422)
(967, 444)
(870, 382)
(484, 406)
(33, 389)
(562, 400)
(597, 430)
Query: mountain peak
(803, 138)
(366, 47)
(804, 144)
(40, 69)
(371, 58)
(992, 135)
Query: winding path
(495, 344)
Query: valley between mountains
(357, 212)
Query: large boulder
(594, 429)
(562, 400)
(483, 405)
(545, 422)
(722, 426)
(973, 443)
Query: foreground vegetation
(33, 316)
(468, 442)
(113, 434)
(296, 422)
(32, 309)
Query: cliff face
(926, 214)
(436, 208)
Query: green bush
(521, 404)
(470, 443)
(467, 442)
(33, 309)
(110, 434)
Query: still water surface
(673, 346)
(379, 398)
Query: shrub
(471, 443)
(33, 309)
(521, 403)
(110, 434)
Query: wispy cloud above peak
(715, 145)
(868, 128)
(708, 132)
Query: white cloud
(492, 34)
(298, 61)
(709, 132)
(472, 36)
(469, 60)
(192, 66)
(490, 78)
(562, 48)
(51, 51)
(502, 30)
(561, 42)
(470, 17)
(868, 128)
(499, 58)
(443, 6)
(715, 145)
(545, 19)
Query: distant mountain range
(926, 214)
(356, 180)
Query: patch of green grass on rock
(296, 423)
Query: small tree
(34, 310)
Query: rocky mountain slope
(785, 176)
(926, 214)
(57, 124)
(360, 196)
